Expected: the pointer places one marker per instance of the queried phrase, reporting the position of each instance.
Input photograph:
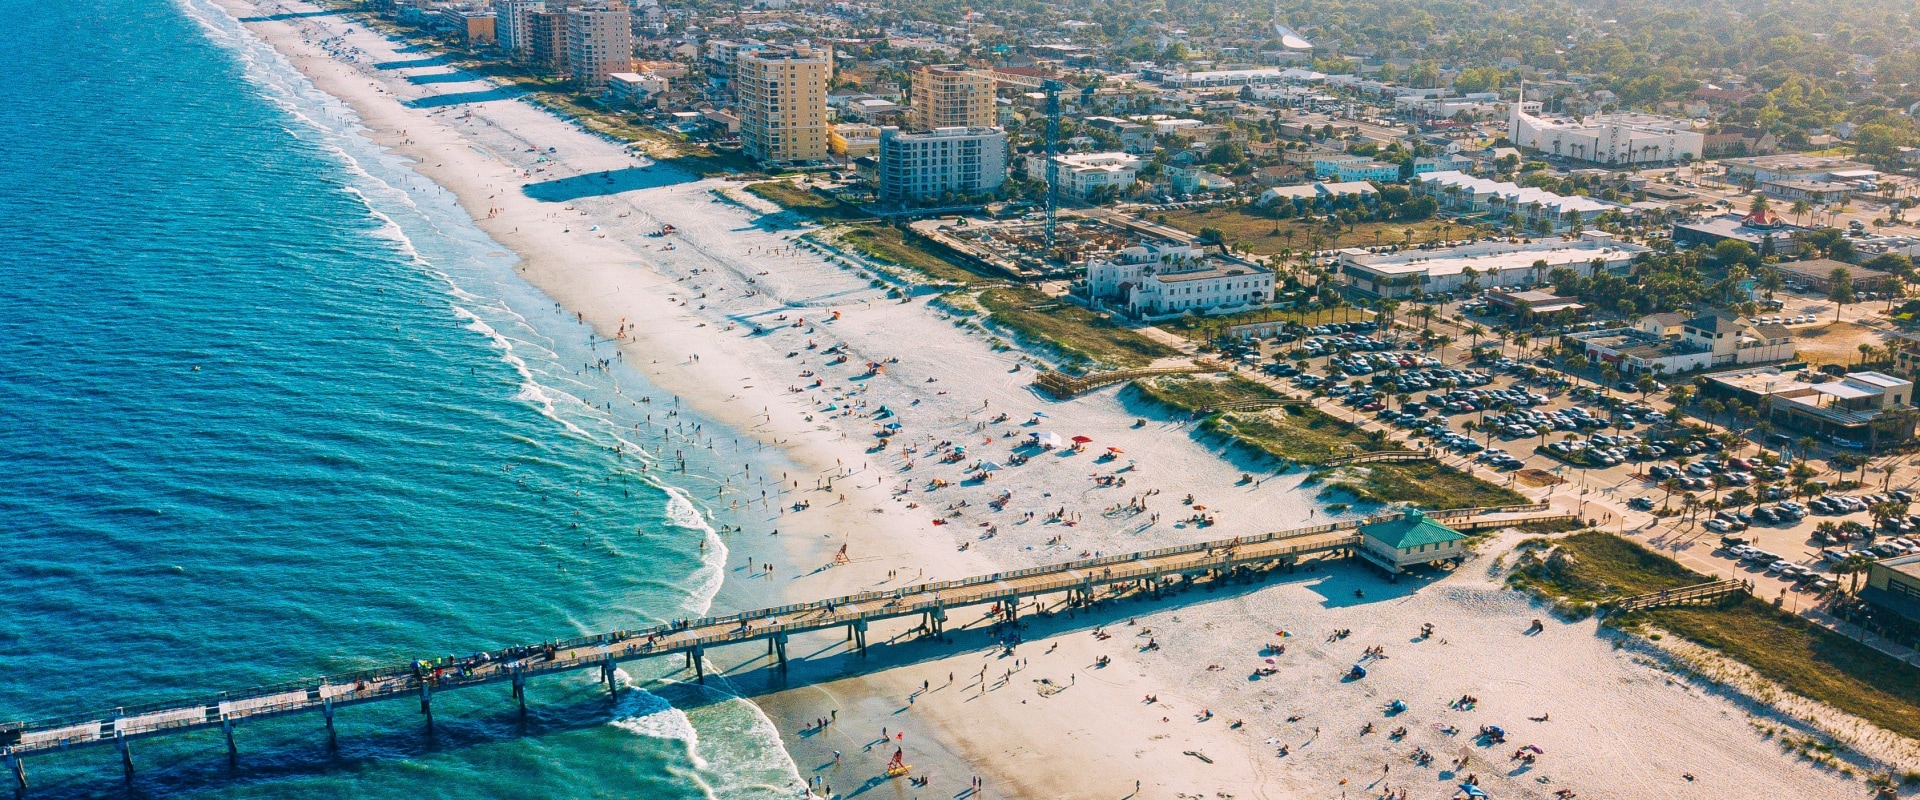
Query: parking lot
(1505, 419)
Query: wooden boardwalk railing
(1697, 594)
(1064, 386)
(1379, 456)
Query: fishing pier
(1077, 582)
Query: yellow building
(783, 103)
(854, 139)
(951, 96)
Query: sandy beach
(741, 324)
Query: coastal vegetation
(1422, 484)
(894, 246)
(1593, 566)
(809, 204)
(1253, 230)
(1076, 334)
(1306, 435)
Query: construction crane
(1052, 88)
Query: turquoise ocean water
(273, 408)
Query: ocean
(276, 408)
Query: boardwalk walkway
(1697, 594)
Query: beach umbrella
(988, 466)
(1472, 790)
(1115, 450)
(1082, 439)
(1040, 414)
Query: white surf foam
(333, 125)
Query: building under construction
(1018, 248)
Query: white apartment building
(634, 88)
(1607, 139)
(1458, 191)
(1488, 264)
(924, 166)
(1082, 174)
(1151, 281)
(599, 42)
(512, 31)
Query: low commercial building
(1817, 275)
(1765, 233)
(853, 139)
(1737, 341)
(1082, 174)
(945, 162)
(1816, 192)
(1538, 209)
(1713, 339)
(1759, 170)
(1860, 409)
(634, 88)
(1893, 585)
(1607, 139)
(1632, 351)
(1321, 191)
(1534, 304)
(1411, 540)
(1381, 171)
(1153, 281)
(1485, 264)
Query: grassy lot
(806, 203)
(1805, 658)
(893, 246)
(1423, 484)
(1594, 567)
(1301, 435)
(1255, 231)
(1076, 333)
(1192, 393)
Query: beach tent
(1048, 439)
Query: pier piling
(17, 766)
(126, 754)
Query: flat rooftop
(1760, 381)
(1497, 258)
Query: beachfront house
(1412, 539)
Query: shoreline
(586, 209)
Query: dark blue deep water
(271, 407)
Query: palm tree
(1799, 208)
(1854, 566)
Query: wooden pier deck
(419, 680)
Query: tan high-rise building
(783, 103)
(951, 96)
(599, 42)
(547, 39)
